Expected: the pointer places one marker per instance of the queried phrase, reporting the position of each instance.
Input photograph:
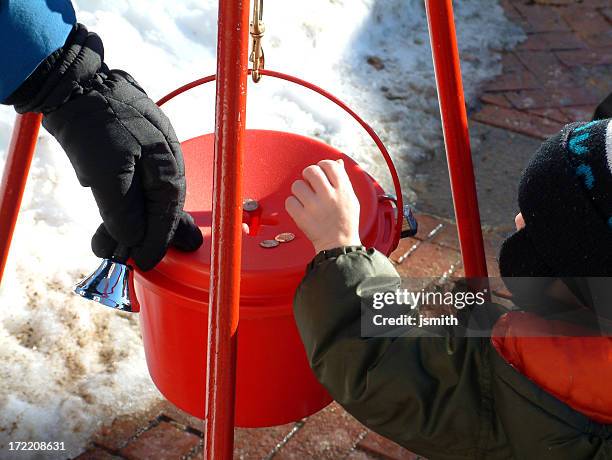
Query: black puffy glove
(119, 143)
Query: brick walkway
(557, 75)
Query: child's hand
(325, 207)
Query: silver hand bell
(112, 283)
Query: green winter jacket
(446, 398)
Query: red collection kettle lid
(273, 161)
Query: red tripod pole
(16, 168)
(456, 136)
(230, 119)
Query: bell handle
(121, 254)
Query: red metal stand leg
(232, 53)
(456, 137)
(16, 168)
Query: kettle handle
(339, 103)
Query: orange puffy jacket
(575, 369)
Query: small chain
(257, 31)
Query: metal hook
(257, 30)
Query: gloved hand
(119, 143)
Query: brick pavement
(556, 75)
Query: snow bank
(69, 365)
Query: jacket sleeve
(29, 32)
(425, 393)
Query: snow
(69, 365)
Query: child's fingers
(302, 191)
(294, 208)
(317, 179)
(334, 171)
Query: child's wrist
(336, 243)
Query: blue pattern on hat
(587, 154)
(586, 126)
(587, 174)
(575, 143)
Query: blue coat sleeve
(30, 30)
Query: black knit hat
(565, 196)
